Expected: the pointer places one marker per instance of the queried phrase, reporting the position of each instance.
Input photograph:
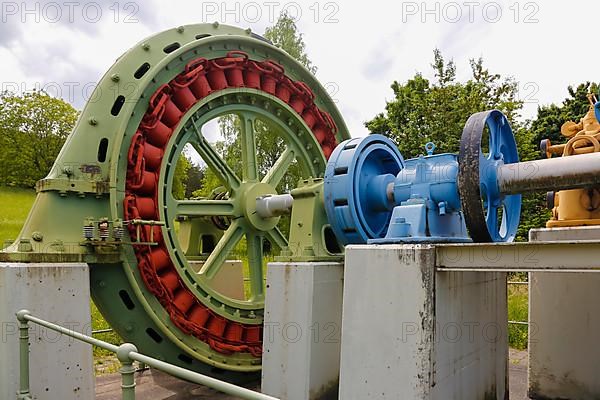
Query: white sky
(358, 47)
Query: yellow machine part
(576, 207)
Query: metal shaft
(550, 174)
(274, 205)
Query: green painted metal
(311, 237)
(23, 393)
(127, 371)
(249, 105)
(84, 186)
(126, 353)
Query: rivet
(115, 77)
(216, 24)
(248, 31)
(93, 121)
(146, 46)
(37, 236)
(180, 29)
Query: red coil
(216, 73)
(284, 89)
(146, 207)
(272, 73)
(152, 157)
(199, 315)
(162, 98)
(234, 75)
(170, 281)
(216, 325)
(234, 332)
(183, 300)
(199, 79)
(252, 75)
(160, 260)
(195, 73)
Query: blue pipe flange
(357, 200)
(490, 216)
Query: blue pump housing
(426, 202)
(373, 196)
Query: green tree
(284, 34)
(550, 117)
(180, 177)
(33, 128)
(424, 111)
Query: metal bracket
(311, 237)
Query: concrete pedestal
(564, 318)
(60, 367)
(411, 333)
(303, 309)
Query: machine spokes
(274, 176)
(215, 162)
(220, 253)
(254, 241)
(204, 208)
(248, 139)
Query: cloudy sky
(358, 47)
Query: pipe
(550, 174)
(274, 205)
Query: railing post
(127, 371)
(23, 393)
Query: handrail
(126, 353)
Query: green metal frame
(240, 207)
(80, 185)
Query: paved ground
(154, 385)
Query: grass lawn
(518, 300)
(14, 207)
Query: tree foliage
(423, 111)
(285, 35)
(33, 128)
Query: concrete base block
(303, 309)
(60, 367)
(411, 333)
(564, 326)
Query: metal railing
(126, 353)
